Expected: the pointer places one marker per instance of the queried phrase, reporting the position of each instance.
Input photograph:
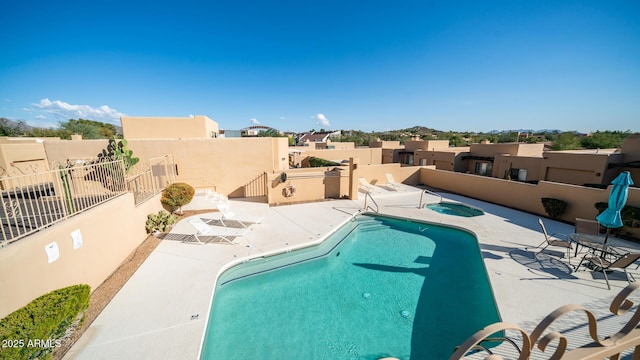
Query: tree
(12, 128)
(566, 141)
(270, 133)
(604, 139)
(506, 137)
(89, 129)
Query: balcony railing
(34, 201)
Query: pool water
(377, 287)
(455, 209)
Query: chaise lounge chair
(216, 231)
(555, 239)
(620, 263)
(391, 182)
(367, 186)
(228, 214)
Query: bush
(554, 207)
(34, 330)
(160, 222)
(177, 195)
(317, 162)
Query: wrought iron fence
(147, 182)
(34, 201)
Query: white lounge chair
(214, 196)
(391, 182)
(227, 214)
(367, 186)
(217, 231)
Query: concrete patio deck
(162, 310)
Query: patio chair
(555, 239)
(621, 263)
(391, 182)
(227, 214)
(586, 232)
(213, 196)
(366, 186)
(216, 231)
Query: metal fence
(147, 182)
(31, 202)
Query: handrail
(368, 195)
(430, 193)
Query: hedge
(318, 162)
(33, 331)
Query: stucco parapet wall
(524, 196)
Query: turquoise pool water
(455, 209)
(377, 287)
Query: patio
(162, 310)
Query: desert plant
(177, 195)
(554, 207)
(160, 222)
(318, 162)
(46, 320)
(117, 150)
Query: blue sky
(301, 65)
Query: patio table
(592, 242)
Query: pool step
(371, 225)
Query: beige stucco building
(145, 127)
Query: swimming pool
(456, 209)
(378, 286)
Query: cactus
(160, 222)
(117, 150)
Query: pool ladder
(367, 195)
(425, 191)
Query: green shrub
(317, 162)
(600, 206)
(177, 195)
(554, 207)
(160, 222)
(628, 213)
(33, 331)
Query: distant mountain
(525, 131)
(20, 126)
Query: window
(483, 168)
(409, 159)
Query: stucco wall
(59, 151)
(310, 184)
(226, 164)
(523, 196)
(141, 127)
(375, 174)
(594, 164)
(316, 184)
(24, 269)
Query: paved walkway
(161, 312)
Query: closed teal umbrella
(611, 218)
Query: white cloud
(255, 121)
(321, 120)
(66, 111)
